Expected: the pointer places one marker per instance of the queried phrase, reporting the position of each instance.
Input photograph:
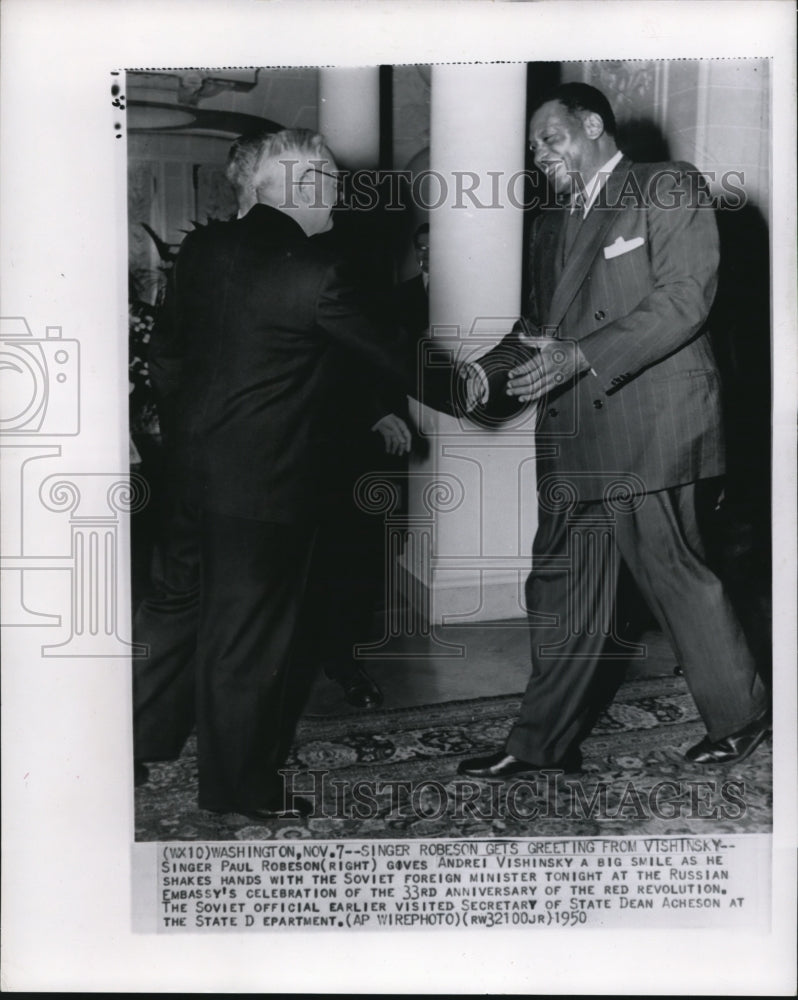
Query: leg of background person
(254, 577)
(344, 592)
(166, 622)
(344, 586)
(663, 547)
(354, 574)
(573, 580)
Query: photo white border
(67, 776)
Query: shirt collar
(598, 180)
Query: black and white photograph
(398, 449)
(363, 610)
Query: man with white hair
(341, 538)
(263, 320)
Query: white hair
(279, 155)
(259, 165)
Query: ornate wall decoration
(632, 87)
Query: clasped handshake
(552, 363)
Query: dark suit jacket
(261, 325)
(411, 302)
(634, 293)
(411, 310)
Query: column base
(458, 597)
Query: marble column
(349, 115)
(479, 554)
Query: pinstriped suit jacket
(634, 293)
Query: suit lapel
(548, 254)
(588, 243)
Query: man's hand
(476, 385)
(395, 434)
(555, 362)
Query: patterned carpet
(392, 774)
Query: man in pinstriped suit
(629, 441)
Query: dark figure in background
(616, 353)
(411, 299)
(261, 319)
(346, 579)
(411, 311)
(349, 563)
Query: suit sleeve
(342, 314)
(380, 402)
(378, 344)
(683, 253)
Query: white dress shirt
(596, 183)
(587, 198)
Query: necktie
(573, 223)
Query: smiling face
(566, 145)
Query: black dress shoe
(731, 749)
(359, 689)
(503, 765)
(298, 809)
(141, 773)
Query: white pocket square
(621, 246)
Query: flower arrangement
(143, 412)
